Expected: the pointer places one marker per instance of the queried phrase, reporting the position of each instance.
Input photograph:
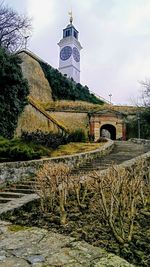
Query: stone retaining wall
(16, 170)
(139, 141)
(133, 162)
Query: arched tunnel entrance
(109, 131)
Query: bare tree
(14, 29)
(146, 93)
(80, 187)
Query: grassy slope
(73, 148)
(73, 106)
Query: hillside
(48, 84)
(64, 88)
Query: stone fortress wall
(39, 87)
(32, 119)
(72, 120)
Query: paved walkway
(27, 247)
(123, 151)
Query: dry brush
(115, 193)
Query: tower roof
(71, 26)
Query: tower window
(67, 33)
(75, 34)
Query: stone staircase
(15, 195)
(122, 151)
(23, 190)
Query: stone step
(122, 151)
(22, 186)
(17, 203)
(10, 194)
(16, 190)
(28, 182)
(5, 200)
(30, 179)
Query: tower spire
(71, 16)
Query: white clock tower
(69, 59)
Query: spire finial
(71, 16)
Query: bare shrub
(118, 193)
(141, 169)
(52, 185)
(145, 188)
(79, 184)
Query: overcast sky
(115, 35)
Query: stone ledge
(131, 163)
(140, 141)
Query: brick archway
(110, 120)
(110, 129)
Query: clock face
(76, 54)
(65, 52)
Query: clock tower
(69, 57)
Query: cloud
(42, 13)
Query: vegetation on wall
(13, 92)
(64, 88)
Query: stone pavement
(27, 247)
